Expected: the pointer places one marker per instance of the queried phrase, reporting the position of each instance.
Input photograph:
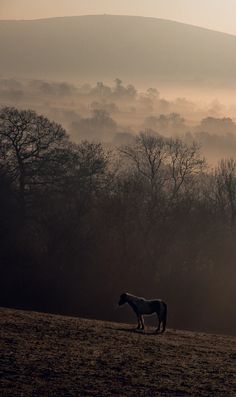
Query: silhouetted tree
(147, 156)
(149, 217)
(226, 188)
(30, 149)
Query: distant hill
(105, 47)
(48, 355)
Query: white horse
(143, 306)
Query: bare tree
(184, 162)
(226, 188)
(148, 155)
(30, 148)
(165, 163)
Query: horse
(143, 306)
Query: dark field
(49, 355)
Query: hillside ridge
(98, 47)
(71, 17)
(131, 326)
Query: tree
(226, 188)
(131, 91)
(165, 163)
(119, 90)
(147, 156)
(153, 93)
(32, 149)
(101, 90)
(184, 162)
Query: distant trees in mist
(119, 91)
(109, 113)
(81, 223)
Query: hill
(49, 355)
(104, 47)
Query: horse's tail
(164, 318)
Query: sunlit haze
(212, 14)
(117, 173)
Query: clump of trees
(80, 224)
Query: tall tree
(31, 149)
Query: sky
(212, 14)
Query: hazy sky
(213, 14)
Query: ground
(49, 355)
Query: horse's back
(150, 306)
(158, 305)
(144, 306)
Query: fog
(118, 167)
(84, 222)
(115, 113)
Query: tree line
(80, 224)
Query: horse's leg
(139, 322)
(162, 324)
(159, 323)
(142, 322)
(164, 317)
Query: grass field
(49, 355)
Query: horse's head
(123, 299)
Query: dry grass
(48, 355)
